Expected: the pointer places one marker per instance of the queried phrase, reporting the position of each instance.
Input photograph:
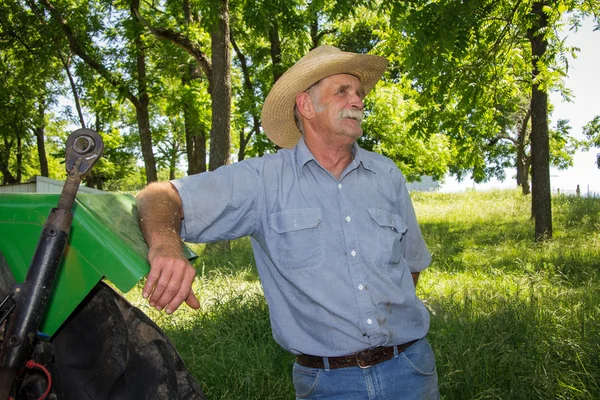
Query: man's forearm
(169, 281)
(160, 214)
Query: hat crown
(323, 49)
(278, 110)
(317, 55)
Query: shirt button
(360, 287)
(339, 185)
(348, 219)
(369, 321)
(353, 253)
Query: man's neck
(334, 157)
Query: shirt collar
(303, 155)
(362, 157)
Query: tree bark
(195, 135)
(143, 116)
(7, 176)
(141, 107)
(41, 143)
(66, 64)
(523, 160)
(275, 42)
(541, 202)
(220, 89)
(19, 157)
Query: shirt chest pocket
(297, 238)
(389, 229)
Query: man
(334, 235)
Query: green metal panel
(105, 240)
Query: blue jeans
(409, 375)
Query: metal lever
(84, 148)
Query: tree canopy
(176, 86)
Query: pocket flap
(387, 219)
(295, 220)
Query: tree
(216, 70)
(470, 61)
(91, 53)
(541, 203)
(29, 76)
(592, 131)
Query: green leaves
(592, 131)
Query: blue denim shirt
(334, 256)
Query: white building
(41, 184)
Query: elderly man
(334, 235)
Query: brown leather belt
(364, 359)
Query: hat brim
(278, 110)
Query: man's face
(339, 106)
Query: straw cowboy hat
(278, 110)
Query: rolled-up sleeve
(221, 204)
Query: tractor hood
(105, 241)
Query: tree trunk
(523, 162)
(249, 89)
(541, 203)
(220, 90)
(195, 135)
(143, 120)
(19, 158)
(7, 176)
(220, 93)
(41, 143)
(73, 88)
(141, 109)
(275, 51)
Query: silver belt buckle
(360, 361)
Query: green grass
(511, 319)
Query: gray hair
(313, 92)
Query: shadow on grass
(232, 261)
(494, 348)
(448, 241)
(508, 246)
(232, 354)
(487, 346)
(578, 212)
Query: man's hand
(170, 280)
(171, 275)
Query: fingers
(169, 284)
(192, 300)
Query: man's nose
(357, 102)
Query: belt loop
(326, 363)
(395, 351)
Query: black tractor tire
(109, 350)
(6, 278)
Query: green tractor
(64, 332)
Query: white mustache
(352, 113)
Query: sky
(584, 81)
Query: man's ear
(305, 105)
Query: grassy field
(511, 319)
